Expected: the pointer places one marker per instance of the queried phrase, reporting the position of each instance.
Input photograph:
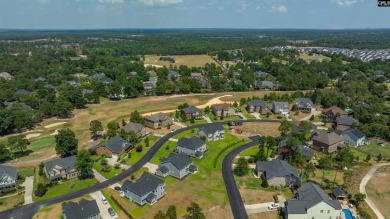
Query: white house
(355, 137)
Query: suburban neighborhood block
(176, 165)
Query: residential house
(260, 74)
(328, 142)
(277, 172)
(268, 85)
(305, 104)
(22, 92)
(86, 91)
(196, 75)
(102, 78)
(280, 107)
(205, 84)
(330, 114)
(173, 75)
(64, 168)
(158, 120)
(212, 132)
(6, 76)
(152, 74)
(346, 122)
(223, 108)
(73, 83)
(17, 106)
(192, 112)
(114, 146)
(193, 146)
(8, 177)
(257, 106)
(83, 210)
(355, 137)
(149, 86)
(285, 152)
(147, 189)
(312, 202)
(137, 128)
(176, 165)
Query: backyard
(374, 149)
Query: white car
(104, 200)
(273, 206)
(173, 130)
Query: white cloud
(344, 2)
(43, 1)
(279, 9)
(160, 2)
(111, 1)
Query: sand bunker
(54, 125)
(54, 133)
(33, 135)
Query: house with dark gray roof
(176, 165)
(158, 120)
(193, 146)
(115, 145)
(277, 172)
(268, 85)
(8, 177)
(212, 132)
(149, 86)
(328, 142)
(147, 189)
(280, 107)
(355, 137)
(173, 75)
(137, 128)
(22, 92)
(85, 209)
(330, 114)
(17, 106)
(305, 104)
(345, 123)
(64, 168)
(258, 106)
(338, 194)
(192, 112)
(312, 202)
(224, 109)
(73, 83)
(86, 91)
(102, 78)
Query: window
(322, 211)
(328, 211)
(312, 217)
(330, 217)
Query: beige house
(328, 142)
(158, 120)
(137, 128)
(227, 110)
(277, 172)
(63, 168)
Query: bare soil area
(378, 189)
(266, 128)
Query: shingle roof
(267, 84)
(86, 91)
(84, 209)
(354, 134)
(304, 102)
(192, 143)
(211, 129)
(258, 103)
(171, 74)
(328, 138)
(115, 144)
(19, 106)
(22, 92)
(280, 105)
(222, 106)
(347, 120)
(7, 172)
(163, 169)
(334, 110)
(307, 153)
(151, 73)
(67, 163)
(308, 196)
(338, 192)
(180, 161)
(132, 126)
(276, 168)
(191, 109)
(145, 184)
(157, 117)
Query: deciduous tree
(66, 143)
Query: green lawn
(246, 113)
(188, 133)
(197, 122)
(374, 149)
(9, 202)
(163, 152)
(42, 143)
(329, 175)
(250, 151)
(26, 172)
(136, 156)
(64, 188)
(113, 204)
(113, 172)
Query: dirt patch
(266, 128)
(54, 125)
(268, 215)
(251, 196)
(32, 135)
(218, 212)
(378, 189)
(297, 116)
(163, 131)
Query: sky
(257, 14)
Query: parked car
(111, 211)
(173, 130)
(381, 144)
(117, 188)
(104, 200)
(273, 206)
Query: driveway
(258, 208)
(256, 115)
(28, 185)
(315, 113)
(98, 176)
(152, 167)
(207, 119)
(180, 124)
(113, 160)
(103, 208)
(242, 116)
(362, 188)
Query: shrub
(41, 166)
(138, 148)
(106, 168)
(167, 147)
(276, 200)
(117, 166)
(264, 184)
(103, 161)
(40, 190)
(72, 185)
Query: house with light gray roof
(137, 128)
(355, 137)
(158, 120)
(64, 168)
(268, 85)
(212, 132)
(193, 146)
(8, 177)
(85, 209)
(147, 189)
(277, 172)
(280, 107)
(345, 122)
(305, 104)
(6, 76)
(312, 202)
(176, 165)
(258, 106)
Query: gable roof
(308, 196)
(144, 185)
(354, 134)
(191, 109)
(22, 92)
(276, 168)
(132, 126)
(180, 161)
(328, 138)
(67, 163)
(196, 74)
(82, 210)
(19, 106)
(7, 172)
(211, 129)
(346, 120)
(222, 106)
(86, 91)
(151, 73)
(116, 144)
(338, 192)
(172, 73)
(258, 103)
(267, 84)
(280, 105)
(192, 143)
(334, 110)
(304, 102)
(157, 117)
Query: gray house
(61, 168)
(257, 106)
(312, 202)
(213, 132)
(137, 128)
(83, 210)
(176, 165)
(192, 112)
(277, 172)
(305, 104)
(173, 75)
(102, 78)
(355, 138)
(193, 146)
(8, 177)
(268, 85)
(280, 107)
(147, 189)
(22, 92)
(346, 122)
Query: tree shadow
(19, 154)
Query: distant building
(158, 120)
(6, 76)
(83, 210)
(114, 146)
(22, 92)
(212, 132)
(192, 112)
(330, 114)
(346, 122)
(268, 85)
(305, 104)
(173, 75)
(223, 108)
(280, 107)
(137, 128)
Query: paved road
(28, 211)
(362, 188)
(28, 185)
(103, 208)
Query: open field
(9, 202)
(374, 149)
(378, 189)
(266, 128)
(188, 60)
(306, 57)
(268, 215)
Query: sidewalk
(103, 208)
(98, 176)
